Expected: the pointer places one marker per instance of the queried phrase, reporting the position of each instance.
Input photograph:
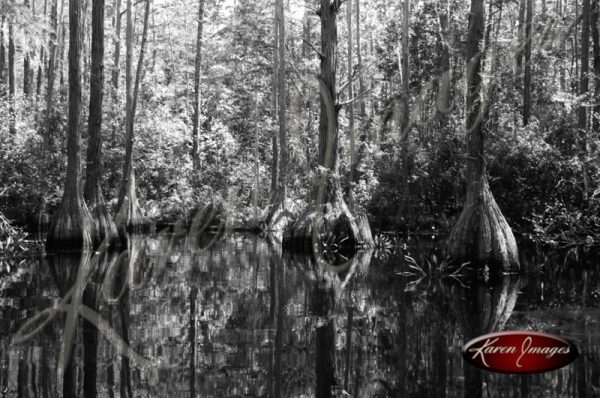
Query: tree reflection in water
(243, 319)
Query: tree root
(482, 235)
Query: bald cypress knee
(103, 223)
(481, 234)
(71, 227)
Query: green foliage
(12, 240)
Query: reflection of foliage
(432, 267)
(385, 245)
(244, 288)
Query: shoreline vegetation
(325, 122)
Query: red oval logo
(519, 352)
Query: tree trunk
(583, 93)
(481, 234)
(275, 147)
(43, 216)
(404, 115)
(350, 108)
(281, 102)
(307, 91)
(575, 58)
(72, 226)
(443, 102)
(278, 217)
(2, 58)
(519, 51)
(527, 75)
(595, 17)
(104, 225)
(129, 215)
(61, 52)
(40, 71)
(327, 215)
(197, 69)
(521, 38)
(117, 42)
(51, 71)
(12, 128)
(361, 79)
(26, 66)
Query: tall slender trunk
(527, 75)
(42, 59)
(307, 93)
(117, 43)
(361, 78)
(595, 17)
(61, 52)
(26, 65)
(51, 70)
(575, 59)
(2, 57)
(104, 226)
(83, 35)
(520, 50)
(129, 215)
(275, 222)
(281, 102)
(274, 143)
(521, 38)
(197, 70)
(404, 122)
(443, 102)
(11, 81)
(350, 108)
(582, 120)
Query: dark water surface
(244, 320)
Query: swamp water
(241, 319)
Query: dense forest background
(192, 93)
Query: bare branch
(293, 65)
(311, 9)
(319, 53)
(341, 104)
(354, 76)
